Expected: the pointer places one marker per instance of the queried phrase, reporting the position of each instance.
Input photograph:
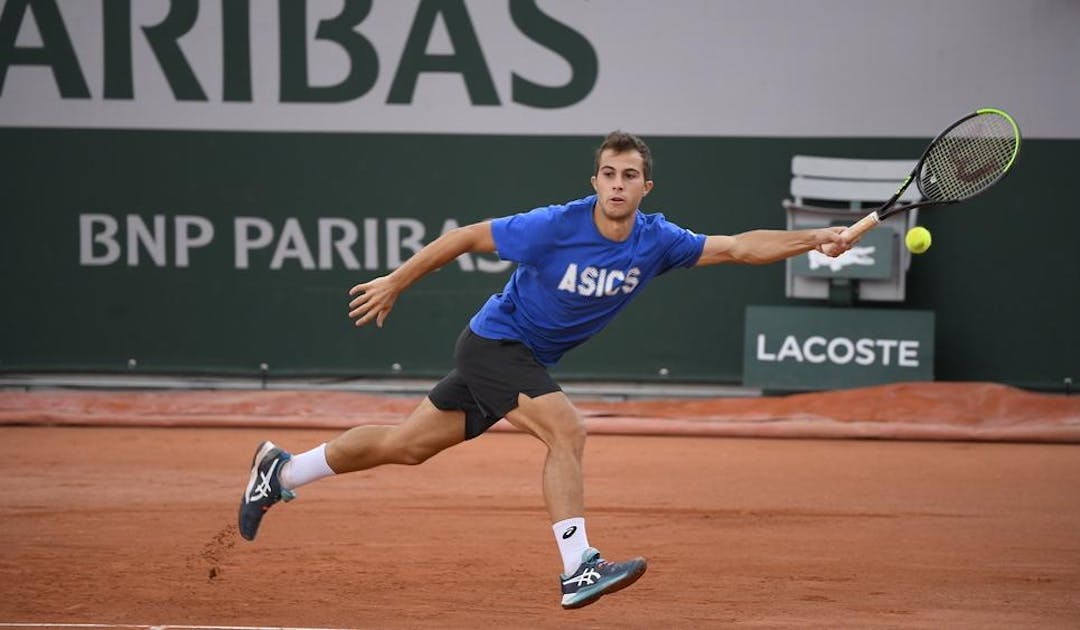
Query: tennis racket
(970, 156)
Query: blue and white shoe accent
(596, 577)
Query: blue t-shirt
(571, 280)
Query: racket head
(971, 155)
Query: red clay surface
(136, 525)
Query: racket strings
(969, 158)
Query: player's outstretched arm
(759, 247)
(374, 299)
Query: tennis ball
(917, 239)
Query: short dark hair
(621, 142)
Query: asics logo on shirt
(591, 281)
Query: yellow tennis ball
(917, 239)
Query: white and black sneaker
(264, 488)
(596, 577)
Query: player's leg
(554, 420)
(506, 381)
(426, 432)
(275, 473)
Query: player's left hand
(373, 300)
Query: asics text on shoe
(263, 488)
(596, 577)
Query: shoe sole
(614, 587)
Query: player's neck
(613, 228)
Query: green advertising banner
(213, 253)
(192, 187)
(808, 348)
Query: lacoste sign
(805, 348)
(839, 350)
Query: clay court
(135, 525)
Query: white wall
(681, 67)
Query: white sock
(570, 534)
(306, 467)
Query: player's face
(620, 183)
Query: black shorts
(487, 378)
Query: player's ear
(592, 180)
(648, 186)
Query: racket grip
(854, 231)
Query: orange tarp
(947, 411)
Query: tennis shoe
(264, 488)
(596, 577)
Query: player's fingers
(361, 306)
(366, 318)
(358, 289)
(373, 306)
(833, 249)
(363, 298)
(838, 242)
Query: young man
(578, 264)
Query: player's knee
(411, 454)
(553, 420)
(568, 432)
(411, 458)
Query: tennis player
(579, 264)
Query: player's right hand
(832, 241)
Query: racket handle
(860, 227)
(855, 231)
